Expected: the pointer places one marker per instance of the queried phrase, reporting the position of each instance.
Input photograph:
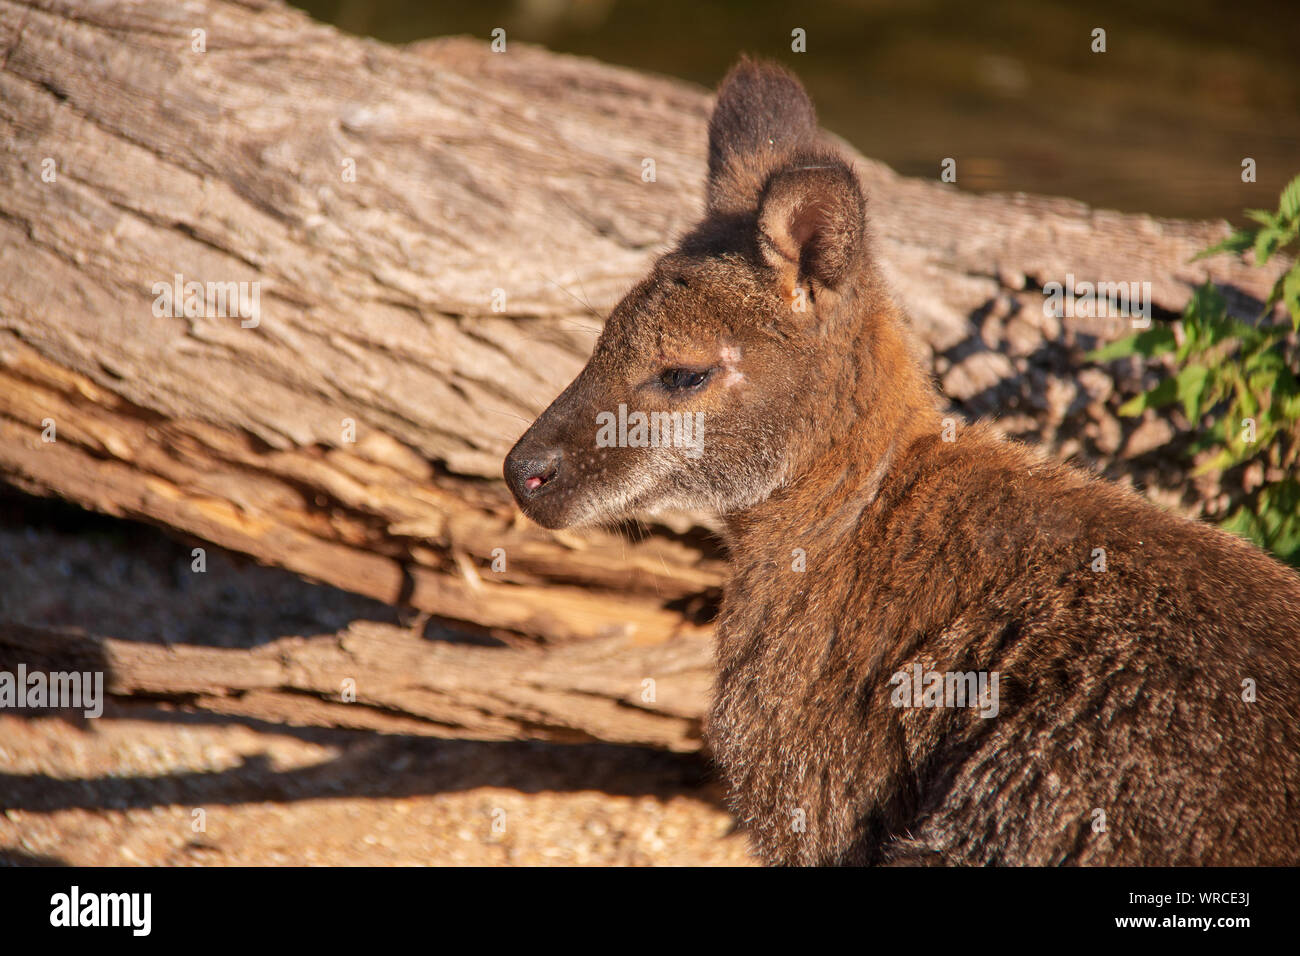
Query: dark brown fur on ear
(761, 119)
(811, 222)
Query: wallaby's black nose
(528, 475)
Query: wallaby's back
(1147, 712)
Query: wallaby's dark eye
(679, 378)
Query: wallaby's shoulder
(980, 480)
(1095, 556)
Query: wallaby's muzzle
(530, 471)
(541, 468)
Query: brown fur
(1121, 690)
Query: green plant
(1239, 379)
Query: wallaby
(937, 646)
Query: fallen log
(386, 679)
(433, 232)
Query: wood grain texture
(587, 691)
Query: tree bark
(434, 302)
(383, 678)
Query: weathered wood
(609, 689)
(474, 172)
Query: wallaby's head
(718, 376)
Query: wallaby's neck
(878, 399)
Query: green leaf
(1191, 342)
(1278, 507)
(1206, 305)
(1210, 437)
(1289, 408)
(1152, 342)
(1266, 244)
(1238, 241)
(1245, 400)
(1163, 394)
(1290, 286)
(1222, 461)
(1243, 522)
(1190, 385)
(1120, 348)
(1216, 329)
(1289, 204)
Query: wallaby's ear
(812, 223)
(762, 117)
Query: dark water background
(1159, 123)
